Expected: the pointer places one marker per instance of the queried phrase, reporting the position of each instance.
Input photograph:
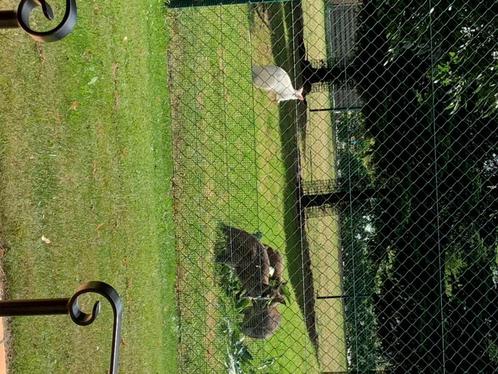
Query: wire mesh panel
(341, 21)
(345, 229)
(342, 26)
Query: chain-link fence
(353, 229)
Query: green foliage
(239, 359)
(493, 351)
(455, 264)
(356, 232)
(458, 36)
(385, 268)
(359, 285)
(429, 88)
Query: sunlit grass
(230, 167)
(85, 163)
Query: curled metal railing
(21, 16)
(70, 306)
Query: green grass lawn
(323, 234)
(85, 162)
(234, 153)
(318, 160)
(318, 156)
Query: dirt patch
(211, 326)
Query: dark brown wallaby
(261, 320)
(249, 258)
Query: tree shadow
(285, 23)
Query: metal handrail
(20, 18)
(70, 306)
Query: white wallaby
(274, 79)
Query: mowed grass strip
(229, 168)
(319, 158)
(323, 232)
(318, 149)
(85, 163)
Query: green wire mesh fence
(338, 213)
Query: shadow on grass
(282, 22)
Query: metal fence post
(201, 3)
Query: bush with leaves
(233, 304)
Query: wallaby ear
(299, 94)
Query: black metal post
(337, 109)
(342, 296)
(199, 3)
(8, 19)
(34, 307)
(338, 197)
(20, 18)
